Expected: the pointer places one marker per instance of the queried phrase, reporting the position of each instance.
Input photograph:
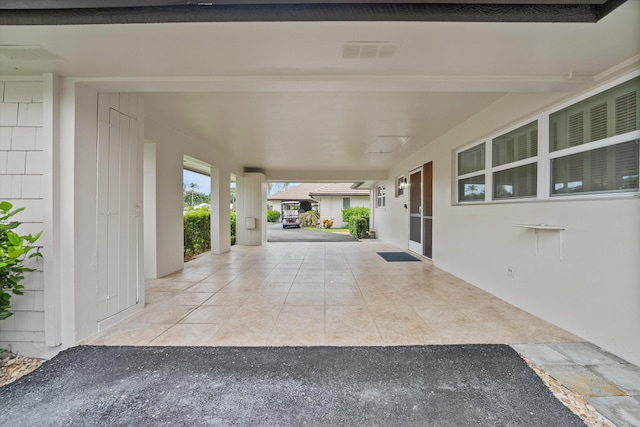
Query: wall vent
(369, 50)
(26, 53)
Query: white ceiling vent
(26, 53)
(368, 50)
(387, 144)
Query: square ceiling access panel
(387, 144)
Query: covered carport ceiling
(291, 98)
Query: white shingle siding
(21, 170)
(8, 114)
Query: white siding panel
(23, 138)
(5, 138)
(34, 163)
(8, 114)
(31, 187)
(21, 171)
(16, 162)
(16, 186)
(23, 92)
(5, 186)
(3, 162)
(30, 115)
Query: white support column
(251, 209)
(220, 211)
(50, 237)
(149, 212)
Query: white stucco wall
(171, 145)
(592, 292)
(22, 166)
(331, 208)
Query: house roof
(339, 189)
(299, 192)
(308, 191)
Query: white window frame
(588, 146)
(544, 157)
(473, 174)
(381, 196)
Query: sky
(203, 181)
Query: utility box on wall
(250, 223)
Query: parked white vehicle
(290, 214)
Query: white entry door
(119, 171)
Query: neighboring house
(298, 193)
(508, 158)
(333, 198)
(328, 199)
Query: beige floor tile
(190, 298)
(305, 298)
(210, 314)
(235, 299)
(188, 335)
(164, 313)
(171, 286)
(211, 287)
(307, 287)
(353, 297)
(273, 287)
(266, 299)
(142, 334)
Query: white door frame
(415, 246)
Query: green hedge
(273, 216)
(358, 227)
(197, 232)
(233, 228)
(360, 211)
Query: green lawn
(328, 230)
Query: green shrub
(14, 251)
(233, 228)
(273, 216)
(197, 232)
(358, 227)
(309, 218)
(360, 211)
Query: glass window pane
(471, 160)
(518, 144)
(516, 182)
(471, 188)
(607, 169)
(612, 112)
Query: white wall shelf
(544, 227)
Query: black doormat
(397, 256)
(458, 385)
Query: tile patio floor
(321, 294)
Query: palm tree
(193, 186)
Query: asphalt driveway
(457, 385)
(275, 233)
